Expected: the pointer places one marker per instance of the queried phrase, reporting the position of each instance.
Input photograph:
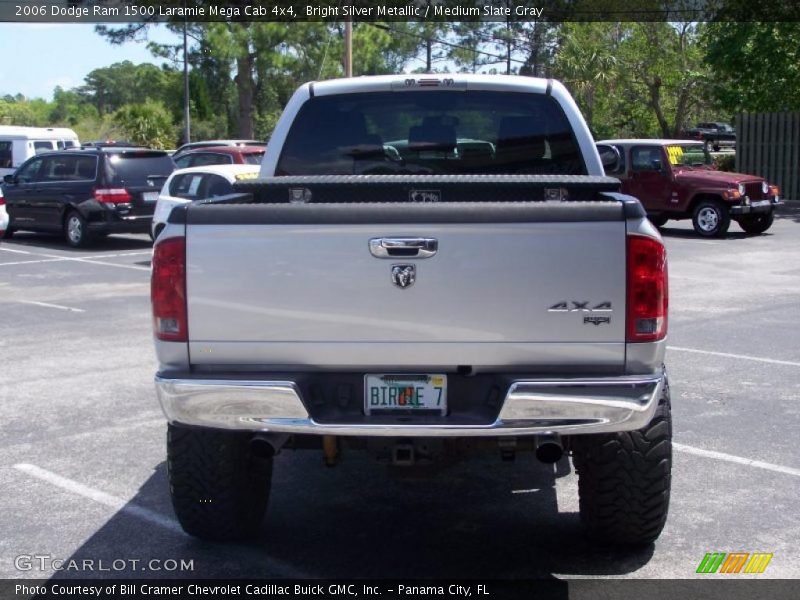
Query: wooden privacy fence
(768, 144)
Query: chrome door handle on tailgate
(403, 247)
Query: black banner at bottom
(543, 589)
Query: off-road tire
(756, 224)
(218, 484)
(624, 480)
(711, 218)
(7, 234)
(658, 220)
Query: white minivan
(18, 144)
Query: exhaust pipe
(549, 449)
(264, 445)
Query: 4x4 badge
(404, 276)
(580, 307)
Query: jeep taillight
(648, 297)
(168, 290)
(114, 195)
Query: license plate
(150, 196)
(405, 393)
(761, 203)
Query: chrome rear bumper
(564, 406)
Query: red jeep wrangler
(675, 179)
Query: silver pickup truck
(426, 267)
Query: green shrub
(725, 161)
(149, 124)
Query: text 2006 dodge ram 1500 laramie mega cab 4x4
(425, 267)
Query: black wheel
(658, 220)
(218, 481)
(624, 480)
(75, 230)
(711, 218)
(7, 234)
(756, 224)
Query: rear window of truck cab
(431, 132)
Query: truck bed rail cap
(356, 213)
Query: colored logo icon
(734, 562)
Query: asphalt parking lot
(82, 445)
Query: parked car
(209, 143)
(84, 193)
(18, 144)
(197, 183)
(3, 215)
(713, 135)
(675, 179)
(220, 155)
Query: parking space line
(99, 497)
(14, 250)
(53, 257)
(48, 305)
(90, 261)
(739, 460)
(771, 361)
(280, 568)
(33, 262)
(121, 254)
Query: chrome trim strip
(564, 406)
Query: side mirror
(610, 158)
(10, 178)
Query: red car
(675, 179)
(221, 155)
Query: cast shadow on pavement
(484, 519)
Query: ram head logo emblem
(404, 276)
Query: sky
(38, 57)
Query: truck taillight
(648, 297)
(115, 195)
(168, 290)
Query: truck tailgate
(522, 284)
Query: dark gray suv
(85, 193)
